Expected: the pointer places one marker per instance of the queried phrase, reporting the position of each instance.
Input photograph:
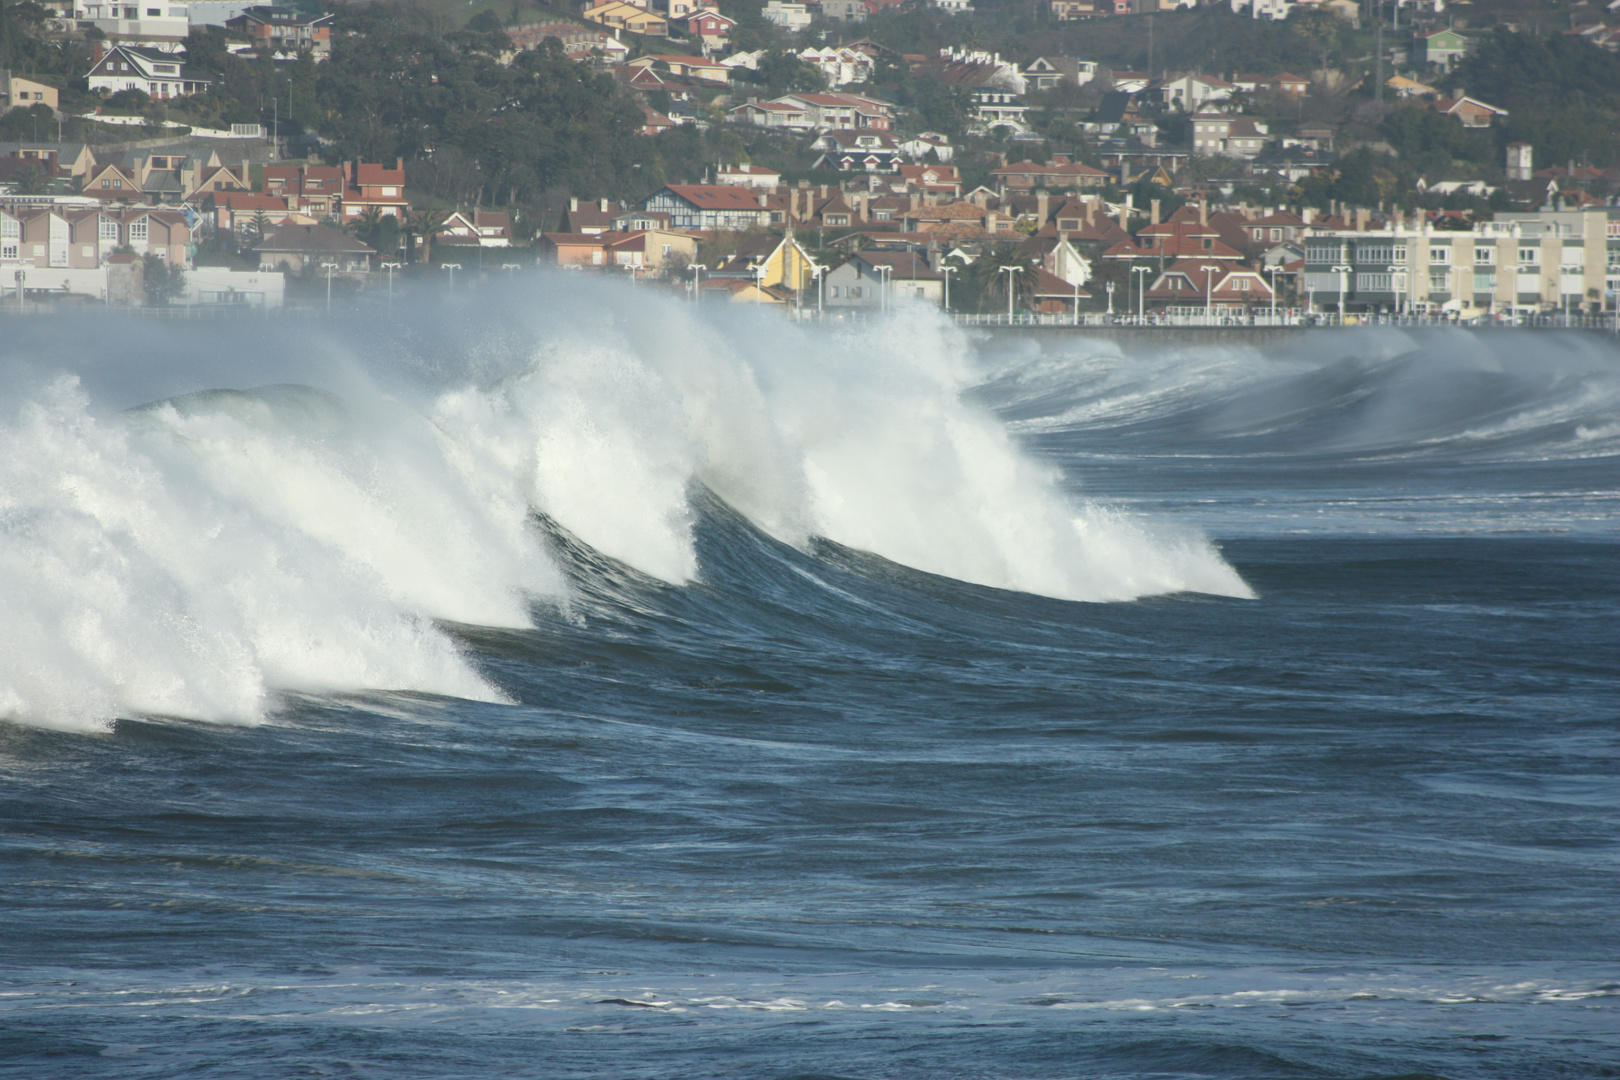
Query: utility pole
(1378, 17)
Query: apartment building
(1538, 261)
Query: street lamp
(1141, 291)
(1344, 276)
(329, 267)
(820, 274)
(1271, 272)
(884, 270)
(1076, 320)
(1209, 293)
(1110, 298)
(1396, 273)
(1010, 271)
(511, 268)
(390, 267)
(22, 301)
(452, 268)
(947, 271)
(698, 270)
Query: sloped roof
(312, 239)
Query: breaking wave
(197, 522)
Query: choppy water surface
(487, 695)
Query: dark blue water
(815, 813)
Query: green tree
(162, 282)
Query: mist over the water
(195, 517)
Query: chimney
(601, 204)
(764, 200)
(1361, 219)
(573, 203)
(399, 164)
(1043, 203)
(1154, 205)
(1203, 211)
(1124, 218)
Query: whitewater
(191, 555)
(560, 680)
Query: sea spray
(184, 538)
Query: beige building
(78, 238)
(17, 92)
(1536, 261)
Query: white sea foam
(192, 555)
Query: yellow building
(618, 15)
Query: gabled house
(617, 15)
(75, 159)
(856, 151)
(477, 228)
(1205, 284)
(877, 278)
(211, 178)
(1472, 112)
(157, 74)
(283, 29)
(292, 248)
(112, 182)
(712, 29)
(375, 186)
(1046, 72)
(770, 262)
(709, 206)
(932, 179)
(588, 216)
(1054, 296)
(1190, 93)
(1442, 48)
(689, 67)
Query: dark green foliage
(506, 134)
(34, 122)
(781, 72)
(1562, 94)
(129, 100)
(1415, 130)
(162, 282)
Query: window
(137, 229)
(1572, 258)
(1485, 256)
(1439, 280)
(1398, 255)
(107, 230)
(154, 13)
(1484, 281)
(1374, 283)
(1530, 256)
(10, 228)
(1440, 256)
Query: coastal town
(1066, 160)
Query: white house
(158, 74)
(839, 67)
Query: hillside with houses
(1064, 157)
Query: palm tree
(428, 224)
(366, 226)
